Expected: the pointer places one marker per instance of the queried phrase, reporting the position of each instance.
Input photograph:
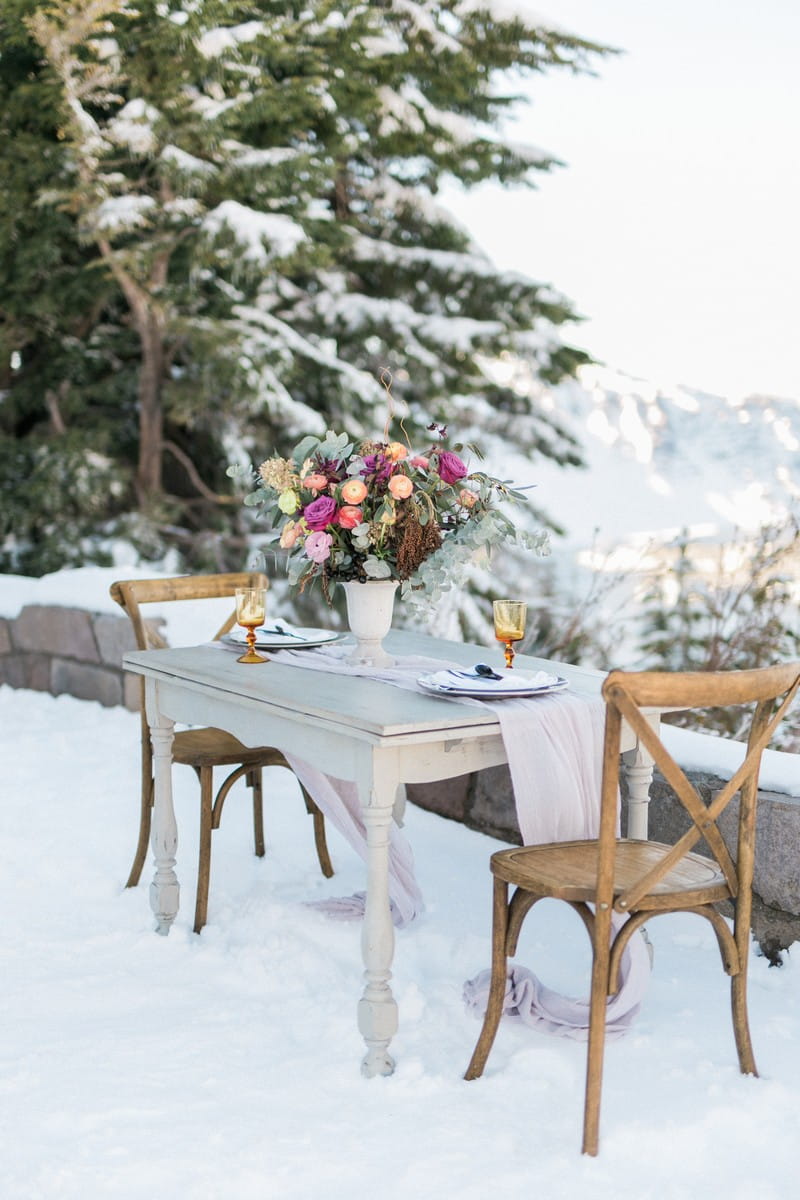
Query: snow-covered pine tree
(254, 186)
(57, 476)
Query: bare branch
(52, 399)
(194, 475)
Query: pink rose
(451, 467)
(401, 487)
(320, 512)
(318, 546)
(467, 498)
(349, 516)
(419, 460)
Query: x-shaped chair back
(626, 695)
(131, 593)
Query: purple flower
(450, 467)
(320, 512)
(378, 465)
(318, 546)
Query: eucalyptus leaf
(376, 568)
(336, 447)
(295, 569)
(304, 449)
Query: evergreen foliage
(220, 224)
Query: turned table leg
(638, 766)
(377, 1008)
(164, 890)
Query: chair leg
(497, 989)
(144, 834)
(597, 1033)
(741, 1026)
(204, 863)
(254, 781)
(320, 840)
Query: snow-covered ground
(226, 1066)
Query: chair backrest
(628, 696)
(130, 594)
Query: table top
(359, 706)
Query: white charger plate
(296, 637)
(514, 684)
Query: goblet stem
(252, 656)
(509, 625)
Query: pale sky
(674, 226)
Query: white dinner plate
(513, 684)
(283, 636)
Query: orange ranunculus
(395, 451)
(349, 516)
(401, 487)
(316, 482)
(354, 491)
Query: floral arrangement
(370, 510)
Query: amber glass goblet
(251, 609)
(509, 625)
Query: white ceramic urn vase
(369, 616)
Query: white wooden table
(373, 733)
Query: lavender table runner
(554, 749)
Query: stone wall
(69, 650)
(485, 802)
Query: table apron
(426, 756)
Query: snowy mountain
(665, 459)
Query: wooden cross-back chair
(609, 875)
(203, 749)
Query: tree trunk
(341, 198)
(148, 323)
(151, 415)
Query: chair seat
(568, 871)
(214, 747)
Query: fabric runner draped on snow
(554, 749)
(554, 746)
